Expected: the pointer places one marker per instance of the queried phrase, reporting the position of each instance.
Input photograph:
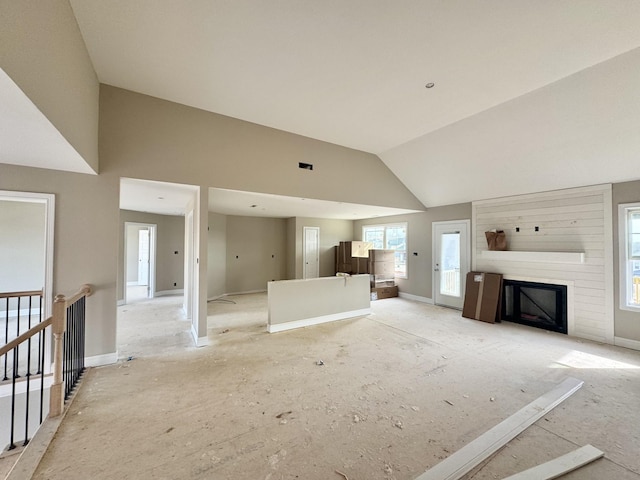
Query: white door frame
(189, 268)
(464, 268)
(304, 251)
(49, 201)
(152, 257)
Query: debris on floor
(319, 363)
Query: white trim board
(626, 343)
(559, 466)
(307, 322)
(199, 341)
(164, 293)
(415, 298)
(458, 464)
(99, 360)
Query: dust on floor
(396, 392)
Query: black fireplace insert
(540, 305)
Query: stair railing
(68, 328)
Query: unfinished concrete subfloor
(399, 390)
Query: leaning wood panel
(561, 465)
(461, 462)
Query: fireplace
(540, 305)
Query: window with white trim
(629, 234)
(389, 237)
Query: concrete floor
(399, 390)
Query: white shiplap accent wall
(573, 220)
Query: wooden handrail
(25, 336)
(28, 293)
(86, 290)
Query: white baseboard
(415, 298)
(6, 390)
(626, 343)
(307, 322)
(162, 293)
(119, 303)
(247, 292)
(99, 360)
(199, 341)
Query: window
(389, 237)
(629, 233)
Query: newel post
(58, 326)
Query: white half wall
(301, 303)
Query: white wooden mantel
(546, 257)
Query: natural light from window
(581, 360)
(629, 233)
(390, 237)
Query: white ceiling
(354, 73)
(155, 197)
(233, 202)
(350, 72)
(28, 138)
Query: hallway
(399, 390)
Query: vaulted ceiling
(355, 72)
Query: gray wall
(145, 137)
(626, 323)
(170, 238)
(256, 252)
(332, 232)
(132, 236)
(217, 258)
(43, 52)
(420, 267)
(22, 235)
(85, 241)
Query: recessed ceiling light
(430, 85)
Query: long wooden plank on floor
(461, 462)
(559, 466)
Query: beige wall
(420, 266)
(22, 246)
(626, 323)
(291, 248)
(217, 258)
(145, 137)
(170, 239)
(332, 232)
(256, 252)
(43, 52)
(85, 241)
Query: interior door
(451, 262)
(143, 256)
(311, 256)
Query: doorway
(311, 254)
(140, 261)
(451, 262)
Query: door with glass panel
(451, 262)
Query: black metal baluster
(15, 370)
(26, 413)
(29, 342)
(82, 333)
(13, 397)
(6, 338)
(41, 357)
(40, 336)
